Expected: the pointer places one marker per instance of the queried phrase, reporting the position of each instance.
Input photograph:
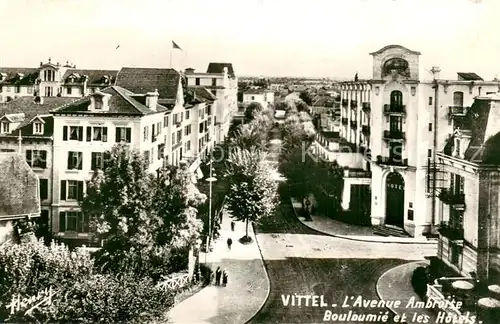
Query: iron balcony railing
(394, 109)
(451, 232)
(394, 135)
(391, 161)
(457, 111)
(454, 199)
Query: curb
(377, 285)
(267, 278)
(353, 238)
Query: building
(51, 80)
(394, 124)
(19, 197)
(221, 81)
(263, 97)
(468, 185)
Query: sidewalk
(395, 284)
(247, 288)
(339, 229)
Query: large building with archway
(397, 122)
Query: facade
(263, 97)
(222, 83)
(375, 118)
(52, 80)
(469, 191)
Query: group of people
(220, 275)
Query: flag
(175, 46)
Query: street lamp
(210, 179)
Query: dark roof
(143, 80)
(19, 195)
(198, 94)
(469, 76)
(383, 49)
(30, 108)
(122, 102)
(219, 68)
(475, 122)
(491, 150)
(29, 76)
(95, 77)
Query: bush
(206, 273)
(419, 281)
(31, 266)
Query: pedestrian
(232, 225)
(218, 274)
(229, 242)
(224, 278)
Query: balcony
(344, 102)
(453, 233)
(395, 110)
(354, 103)
(391, 161)
(455, 200)
(457, 111)
(354, 123)
(394, 136)
(365, 130)
(344, 121)
(357, 173)
(366, 106)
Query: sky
(313, 38)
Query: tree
(306, 97)
(254, 133)
(302, 106)
(254, 186)
(253, 109)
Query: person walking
(229, 243)
(232, 225)
(224, 278)
(218, 274)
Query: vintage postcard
(252, 161)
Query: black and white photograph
(250, 161)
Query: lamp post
(210, 179)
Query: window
(98, 103)
(197, 81)
(97, 133)
(71, 190)
(429, 153)
(214, 82)
(253, 97)
(187, 130)
(430, 127)
(187, 114)
(458, 99)
(153, 133)
(98, 160)
(165, 121)
(1, 87)
(179, 135)
(396, 99)
(73, 221)
(400, 65)
(173, 138)
(161, 151)
(146, 133)
(68, 90)
(48, 92)
(75, 133)
(37, 158)
(17, 89)
(395, 123)
(5, 127)
(123, 134)
(37, 128)
(201, 127)
(75, 160)
(201, 113)
(44, 189)
(49, 75)
(188, 146)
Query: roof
(95, 77)
(29, 75)
(122, 101)
(469, 76)
(198, 94)
(19, 196)
(219, 68)
(143, 80)
(385, 48)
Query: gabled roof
(12, 76)
(143, 80)
(469, 76)
(122, 101)
(383, 49)
(27, 128)
(219, 68)
(198, 94)
(19, 196)
(95, 77)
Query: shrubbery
(419, 281)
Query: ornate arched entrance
(395, 199)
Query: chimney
(435, 72)
(41, 63)
(152, 99)
(189, 70)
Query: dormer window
(5, 127)
(98, 103)
(37, 128)
(457, 152)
